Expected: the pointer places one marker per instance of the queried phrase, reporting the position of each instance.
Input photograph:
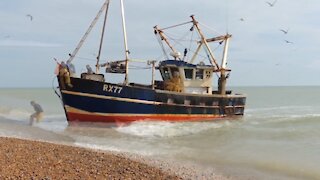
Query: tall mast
(223, 78)
(126, 80)
(102, 35)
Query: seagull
(241, 19)
(285, 31)
(30, 16)
(289, 42)
(271, 4)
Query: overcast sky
(258, 54)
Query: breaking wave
(14, 113)
(168, 129)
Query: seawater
(278, 137)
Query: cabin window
(174, 72)
(208, 74)
(188, 73)
(199, 74)
(165, 73)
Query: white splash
(168, 129)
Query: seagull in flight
(271, 4)
(30, 16)
(284, 31)
(288, 42)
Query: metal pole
(213, 61)
(223, 80)
(163, 37)
(76, 50)
(102, 35)
(196, 53)
(225, 52)
(152, 62)
(126, 80)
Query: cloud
(22, 43)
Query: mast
(101, 40)
(126, 80)
(223, 79)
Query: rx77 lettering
(112, 89)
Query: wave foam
(14, 114)
(168, 129)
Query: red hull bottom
(75, 118)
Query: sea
(277, 138)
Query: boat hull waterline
(93, 101)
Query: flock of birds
(272, 4)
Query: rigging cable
(76, 50)
(191, 39)
(161, 44)
(177, 41)
(176, 25)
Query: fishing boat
(186, 91)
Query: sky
(258, 55)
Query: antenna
(227, 15)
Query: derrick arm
(163, 37)
(204, 41)
(196, 53)
(76, 50)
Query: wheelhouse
(184, 77)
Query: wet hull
(93, 101)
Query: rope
(191, 39)
(210, 28)
(176, 25)
(55, 89)
(85, 58)
(162, 46)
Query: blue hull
(93, 101)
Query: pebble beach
(25, 159)
(28, 159)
